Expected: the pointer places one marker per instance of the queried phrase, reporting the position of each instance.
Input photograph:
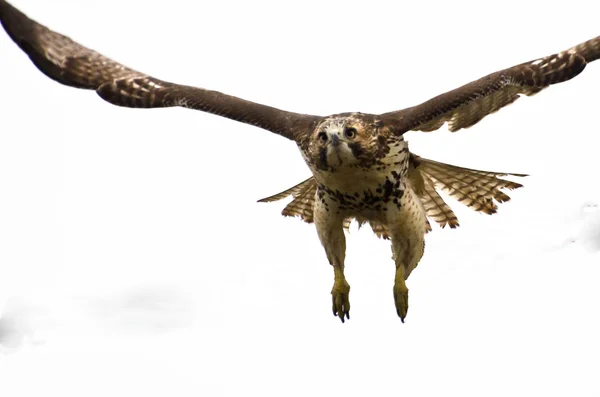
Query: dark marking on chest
(375, 199)
(388, 188)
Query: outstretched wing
(467, 105)
(72, 64)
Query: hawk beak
(335, 140)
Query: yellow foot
(340, 300)
(401, 300)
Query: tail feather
(379, 229)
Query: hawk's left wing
(467, 105)
(72, 64)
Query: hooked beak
(335, 140)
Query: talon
(340, 299)
(401, 301)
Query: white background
(134, 259)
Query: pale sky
(136, 261)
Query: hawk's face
(344, 141)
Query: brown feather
(380, 230)
(72, 64)
(474, 188)
(467, 105)
(302, 205)
(435, 207)
(294, 191)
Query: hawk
(362, 168)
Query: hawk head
(347, 140)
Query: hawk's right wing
(72, 64)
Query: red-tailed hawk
(361, 166)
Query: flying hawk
(361, 166)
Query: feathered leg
(331, 233)
(400, 249)
(407, 227)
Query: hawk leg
(331, 233)
(407, 232)
(407, 252)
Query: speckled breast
(365, 191)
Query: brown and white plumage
(465, 106)
(72, 64)
(361, 166)
(476, 189)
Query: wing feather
(435, 207)
(303, 203)
(302, 206)
(474, 188)
(72, 64)
(294, 191)
(467, 105)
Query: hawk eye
(322, 136)
(350, 133)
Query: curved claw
(340, 300)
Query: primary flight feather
(361, 166)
